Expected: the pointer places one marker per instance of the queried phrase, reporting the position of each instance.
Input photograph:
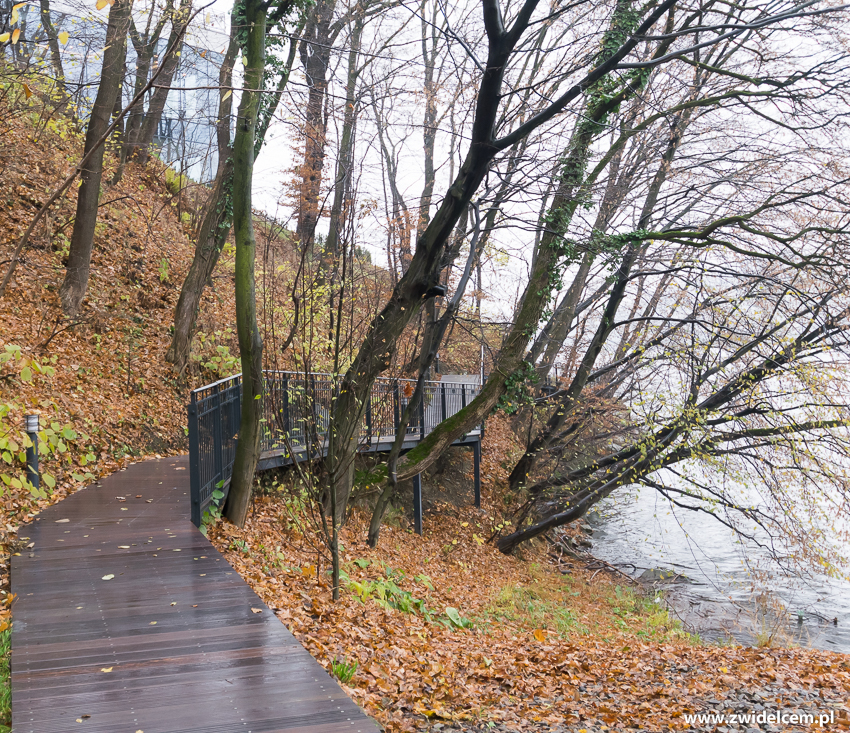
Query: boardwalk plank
(207, 665)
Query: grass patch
(343, 670)
(5, 680)
(645, 615)
(572, 605)
(535, 606)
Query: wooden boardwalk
(170, 643)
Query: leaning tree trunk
(437, 333)
(250, 343)
(551, 339)
(511, 364)
(546, 437)
(376, 351)
(74, 287)
(212, 235)
(215, 225)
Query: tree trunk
(74, 287)
(400, 221)
(250, 343)
(144, 47)
(548, 254)
(141, 146)
(342, 184)
(376, 351)
(215, 225)
(551, 340)
(53, 43)
(315, 57)
(437, 333)
(211, 238)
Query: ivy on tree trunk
(250, 342)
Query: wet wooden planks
(174, 626)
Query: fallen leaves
(412, 673)
(108, 577)
(106, 669)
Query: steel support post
(476, 459)
(417, 503)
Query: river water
(734, 592)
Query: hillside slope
(100, 380)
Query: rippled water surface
(731, 594)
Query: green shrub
(214, 355)
(59, 447)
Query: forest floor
(446, 632)
(443, 632)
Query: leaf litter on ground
(495, 640)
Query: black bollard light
(32, 451)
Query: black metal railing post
(284, 391)
(462, 396)
(369, 417)
(194, 461)
(218, 462)
(417, 504)
(422, 416)
(443, 415)
(476, 460)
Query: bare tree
(75, 284)
(144, 44)
(140, 134)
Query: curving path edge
(170, 643)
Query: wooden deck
(170, 644)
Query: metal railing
(297, 409)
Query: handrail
(297, 405)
